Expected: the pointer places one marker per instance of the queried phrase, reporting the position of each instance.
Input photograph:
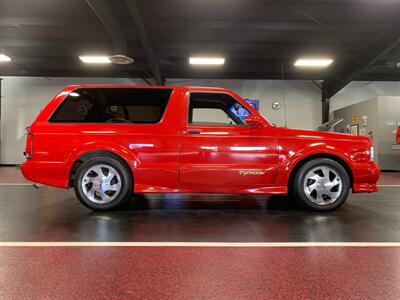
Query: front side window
(113, 105)
(215, 109)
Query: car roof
(104, 86)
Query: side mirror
(254, 121)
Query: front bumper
(366, 177)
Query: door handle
(193, 131)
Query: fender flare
(127, 155)
(290, 166)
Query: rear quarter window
(113, 105)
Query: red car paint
(398, 136)
(164, 158)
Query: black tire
(297, 189)
(124, 193)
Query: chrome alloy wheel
(322, 185)
(101, 183)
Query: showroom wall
(303, 98)
(23, 98)
(377, 117)
(358, 91)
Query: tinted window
(113, 105)
(215, 109)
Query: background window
(215, 109)
(113, 105)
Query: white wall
(23, 98)
(381, 112)
(358, 91)
(303, 98)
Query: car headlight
(371, 152)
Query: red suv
(111, 141)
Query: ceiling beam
(20, 22)
(351, 2)
(80, 42)
(263, 25)
(106, 16)
(349, 70)
(162, 24)
(395, 76)
(145, 39)
(138, 74)
(59, 72)
(71, 71)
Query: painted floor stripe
(200, 244)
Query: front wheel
(103, 183)
(321, 185)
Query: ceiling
(259, 39)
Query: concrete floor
(185, 271)
(50, 214)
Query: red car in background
(398, 136)
(111, 141)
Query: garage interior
(203, 246)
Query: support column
(325, 109)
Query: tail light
(29, 144)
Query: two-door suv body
(110, 141)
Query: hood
(315, 134)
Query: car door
(218, 148)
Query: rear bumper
(366, 177)
(54, 174)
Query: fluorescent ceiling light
(95, 59)
(310, 62)
(206, 60)
(4, 58)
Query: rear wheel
(321, 185)
(103, 183)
